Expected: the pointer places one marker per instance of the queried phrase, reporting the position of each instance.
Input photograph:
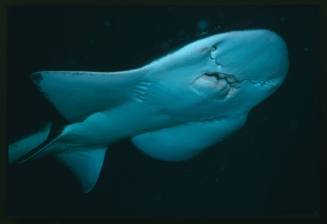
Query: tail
(26, 146)
(84, 162)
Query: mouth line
(224, 86)
(234, 82)
(231, 80)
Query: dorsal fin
(76, 94)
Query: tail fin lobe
(27, 144)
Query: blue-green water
(268, 168)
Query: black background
(268, 168)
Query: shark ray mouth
(222, 85)
(231, 80)
(234, 82)
(226, 85)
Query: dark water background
(269, 168)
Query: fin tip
(37, 77)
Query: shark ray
(172, 108)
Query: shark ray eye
(213, 52)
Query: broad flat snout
(258, 55)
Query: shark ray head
(223, 73)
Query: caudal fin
(26, 145)
(84, 163)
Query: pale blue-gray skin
(172, 108)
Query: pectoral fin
(184, 141)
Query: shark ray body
(172, 108)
